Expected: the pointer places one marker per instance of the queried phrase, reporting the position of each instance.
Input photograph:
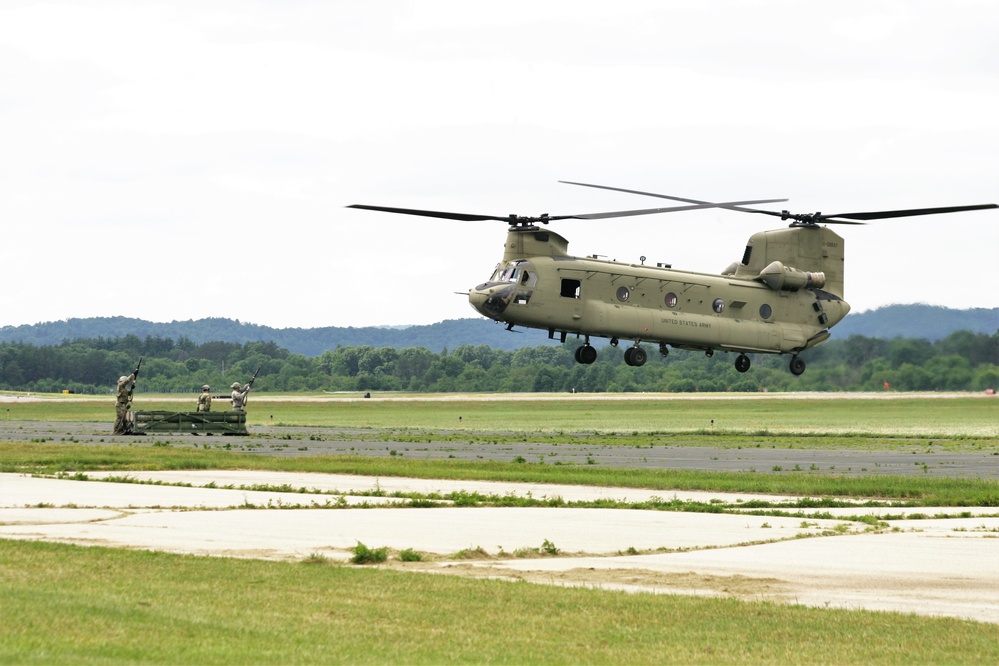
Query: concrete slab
(352, 484)
(935, 566)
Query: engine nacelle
(779, 277)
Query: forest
(962, 361)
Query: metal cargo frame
(224, 423)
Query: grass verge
(48, 458)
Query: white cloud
(188, 140)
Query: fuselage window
(718, 305)
(766, 311)
(670, 300)
(570, 288)
(623, 294)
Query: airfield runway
(927, 561)
(664, 454)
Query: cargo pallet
(223, 423)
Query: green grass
(907, 415)
(71, 605)
(65, 604)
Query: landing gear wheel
(663, 349)
(635, 356)
(639, 356)
(797, 365)
(586, 354)
(742, 363)
(709, 352)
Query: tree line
(963, 361)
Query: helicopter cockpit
(511, 282)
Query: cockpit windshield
(507, 274)
(514, 273)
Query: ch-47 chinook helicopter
(781, 298)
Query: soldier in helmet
(205, 399)
(239, 396)
(123, 402)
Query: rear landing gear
(797, 365)
(635, 356)
(742, 363)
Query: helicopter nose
(490, 301)
(477, 299)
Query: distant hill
(907, 321)
(306, 341)
(932, 322)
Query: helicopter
(782, 297)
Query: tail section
(810, 257)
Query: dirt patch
(742, 587)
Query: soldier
(205, 399)
(239, 396)
(123, 403)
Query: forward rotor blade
(431, 213)
(515, 219)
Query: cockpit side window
(570, 288)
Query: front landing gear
(586, 354)
(797, 365)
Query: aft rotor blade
(912, 212)
(730, 206)
(807, 218)
(671, 209)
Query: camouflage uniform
(205, 399)
(123, 404)
(239, 396)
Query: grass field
(65, 604)
(954, 424)
(955, 416)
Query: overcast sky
(179, 160)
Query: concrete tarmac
(944, 565)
